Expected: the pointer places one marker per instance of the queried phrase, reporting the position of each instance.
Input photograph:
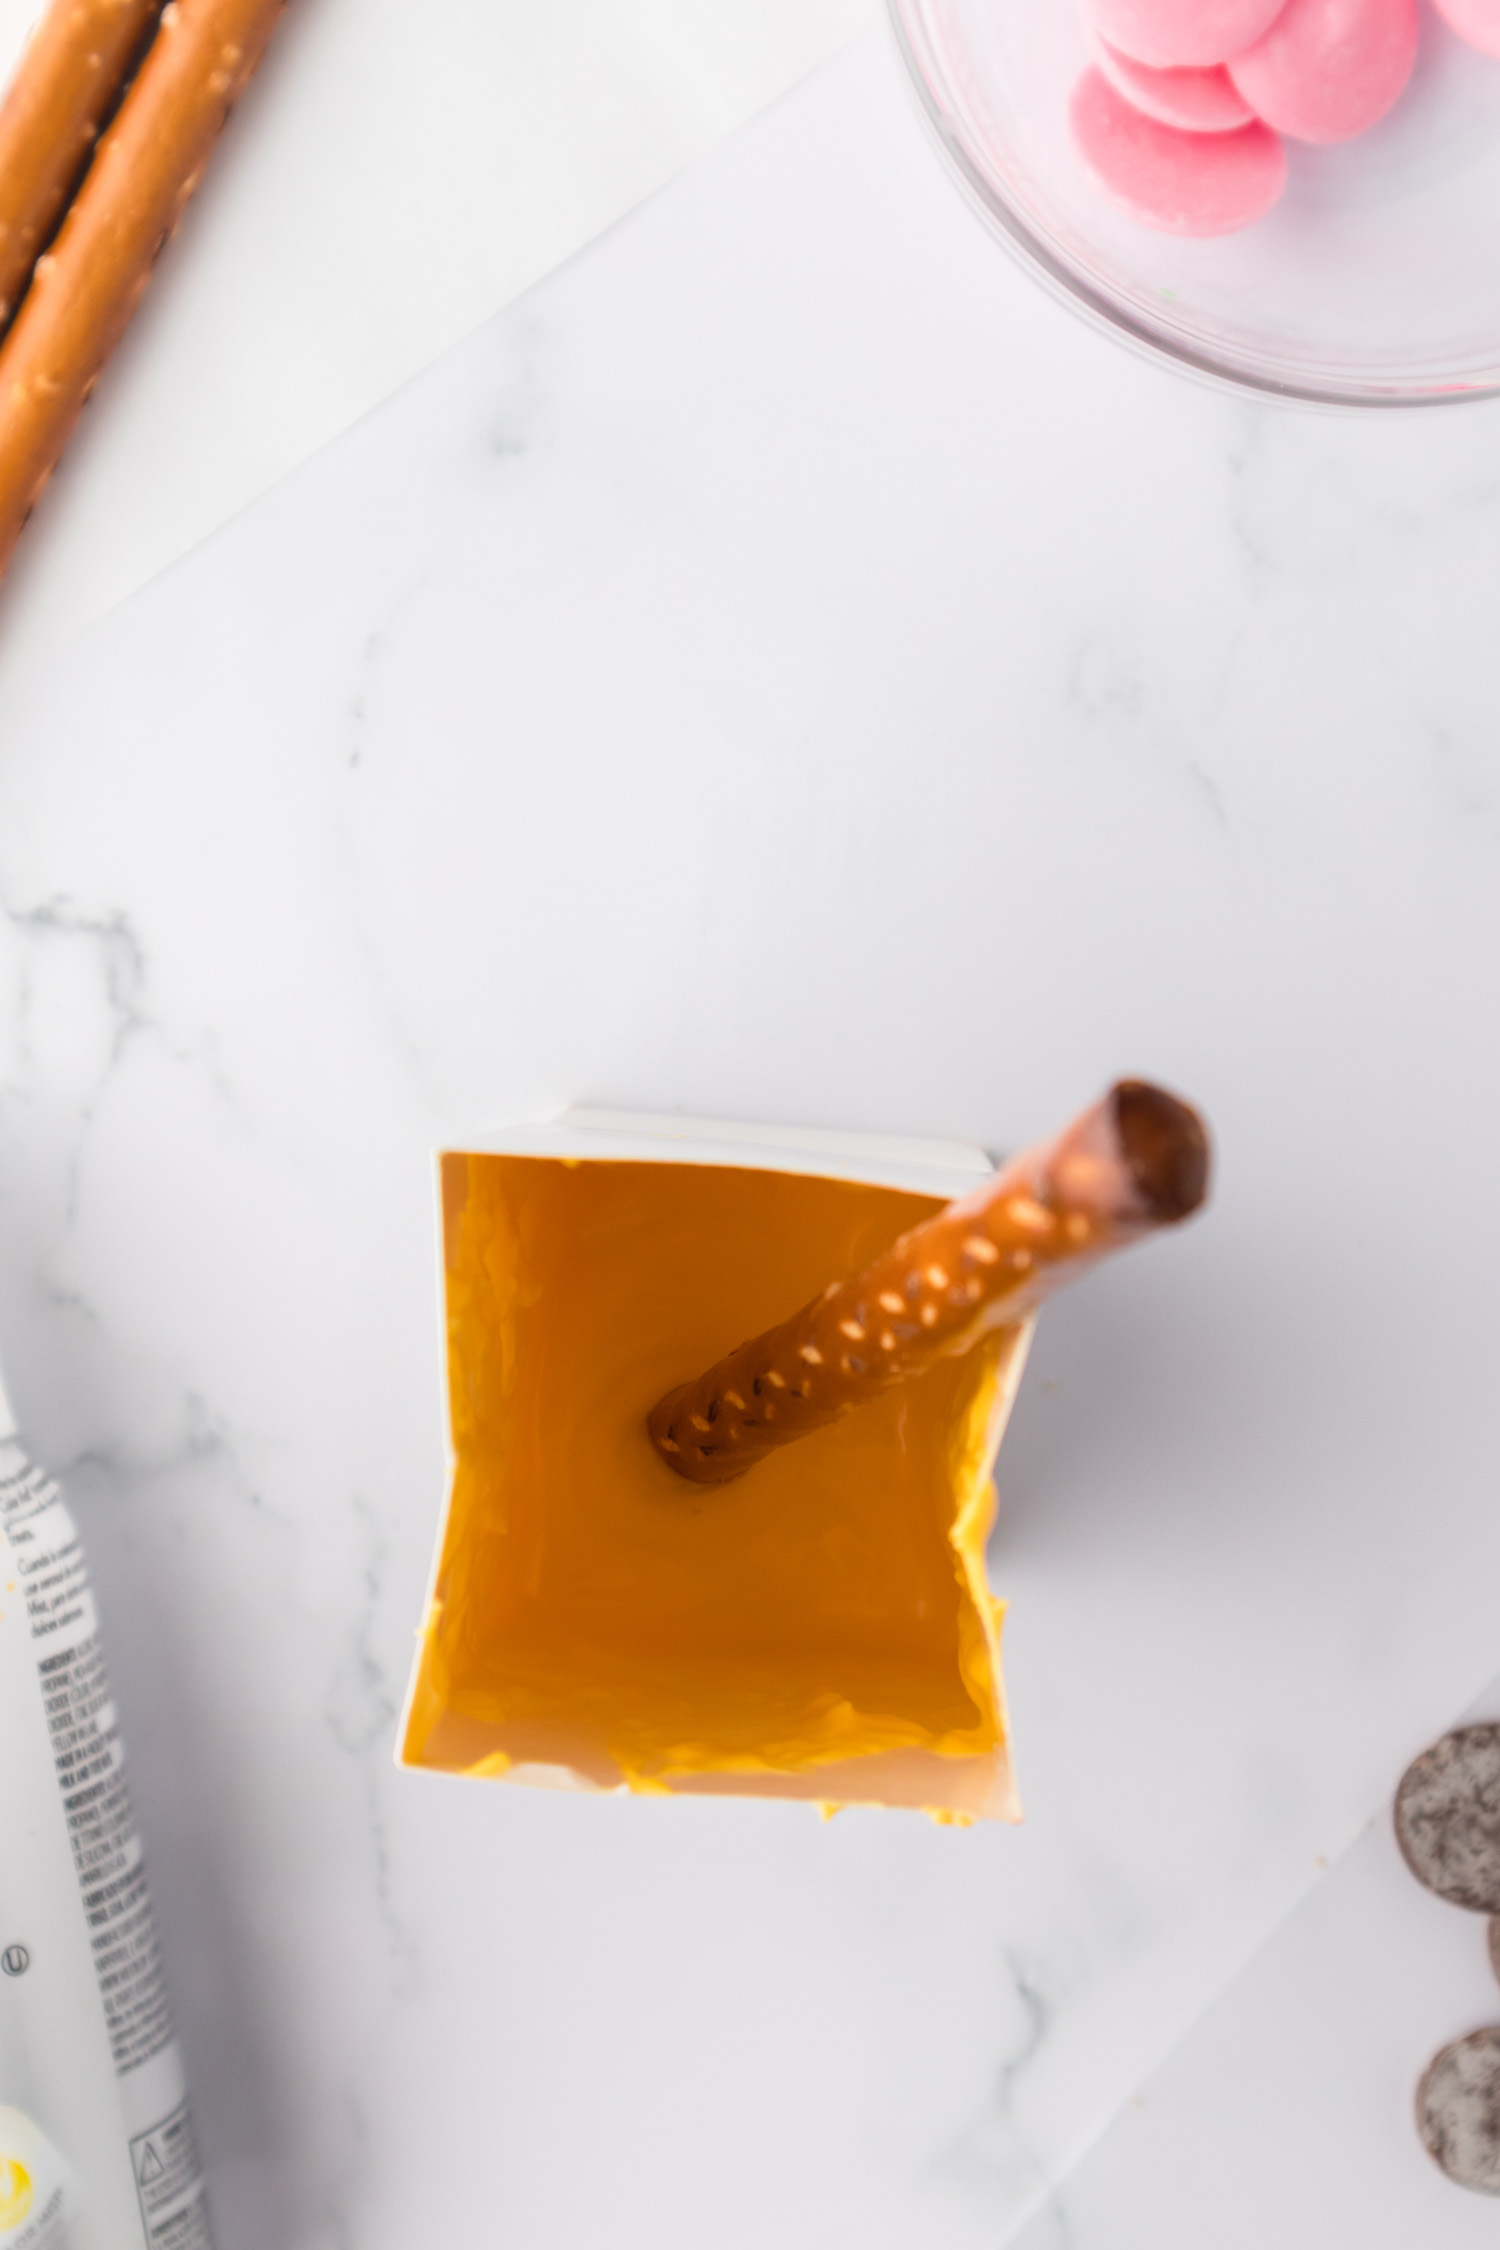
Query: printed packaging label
(96, 2143)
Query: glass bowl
(1374, 282)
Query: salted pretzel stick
(73, 66)
(86, 288)
(1137, 1161)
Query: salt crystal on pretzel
(69, 74)
(85, 289)
(1138, 1160)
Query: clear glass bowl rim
(1102, 311)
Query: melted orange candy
(819, 1629)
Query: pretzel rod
(73, 66)
(1135, 1162)
(85, 289)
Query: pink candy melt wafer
(1175, 34)
(1478, 21)
(1327, 69)
(1200, 101)
(1179, 183)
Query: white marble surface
(393, 176)
(781, 668)
(1286, 2115)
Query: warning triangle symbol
(150, 2166)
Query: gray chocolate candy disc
(1448, 1818)
(1458, 2111)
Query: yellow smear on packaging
(597, 1621)
(15, 2192)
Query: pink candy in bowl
(1314, 213)
(1219, 82)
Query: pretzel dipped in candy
(86, 287)
(1138, 1160)
(73, 67)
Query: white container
(96, 2143)
(449, 1727)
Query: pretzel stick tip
(1137, 1161)
(1164, 1146)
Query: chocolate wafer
(1458, 2110)
(1448, 1818)
(1135, 1162)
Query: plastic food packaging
(96, 2141)
(820, 1630)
